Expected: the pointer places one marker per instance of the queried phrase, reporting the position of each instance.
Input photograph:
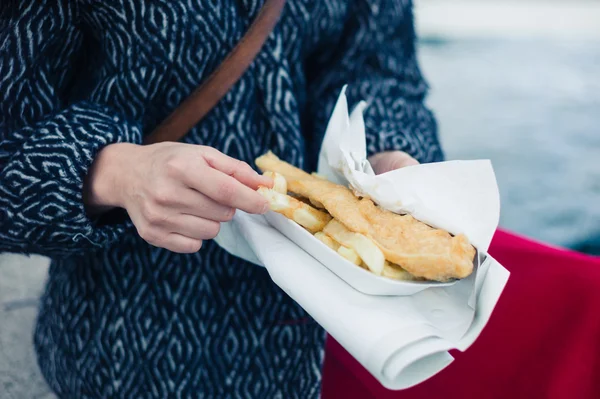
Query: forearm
(42, 182)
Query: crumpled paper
(401, 340)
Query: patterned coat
(120, 318)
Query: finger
(402, 162)
(158, 237)
(181, 244)
(193, 227)
(388, 161)
(229, 192)
(195, 203)
(237, 169)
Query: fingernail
(265, 208)
(269, 182)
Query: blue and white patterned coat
(120, 318)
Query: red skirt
(542, 341)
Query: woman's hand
(391, 160)
(176, 194)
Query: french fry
(325, 239)
(338, 232)
(349, 254)
(345, 252)
(306, 216)
(279, 182)
(395, 272)
(310, 218)
(368, 251)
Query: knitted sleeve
(47, 143)
(376, 57)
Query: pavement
(21, 282)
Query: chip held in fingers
(306, 216)
(279, 183)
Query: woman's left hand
(391, 160)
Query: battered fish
(421, 250)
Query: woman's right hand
(176, 194)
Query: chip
(306, 216)
(395, 272)
(368, 251)
(279, 183)
(349, 254)
(325, 239)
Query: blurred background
(517, 82)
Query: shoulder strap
(210, 92)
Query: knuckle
(162, 196)
(192, 246)
(212, 230)
(258, 204)
(207, 154)
(226, 192)
(174, 166)
(148, 234)
(152, 215)
(207, 150)
(229, 214)
(241, 166)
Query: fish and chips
(391, 245)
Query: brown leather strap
(210, 92)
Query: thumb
(388, 161)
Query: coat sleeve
(48, 142)
(376, 57)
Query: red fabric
(542, 341)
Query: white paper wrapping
(401, 340)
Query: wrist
(103, 187)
